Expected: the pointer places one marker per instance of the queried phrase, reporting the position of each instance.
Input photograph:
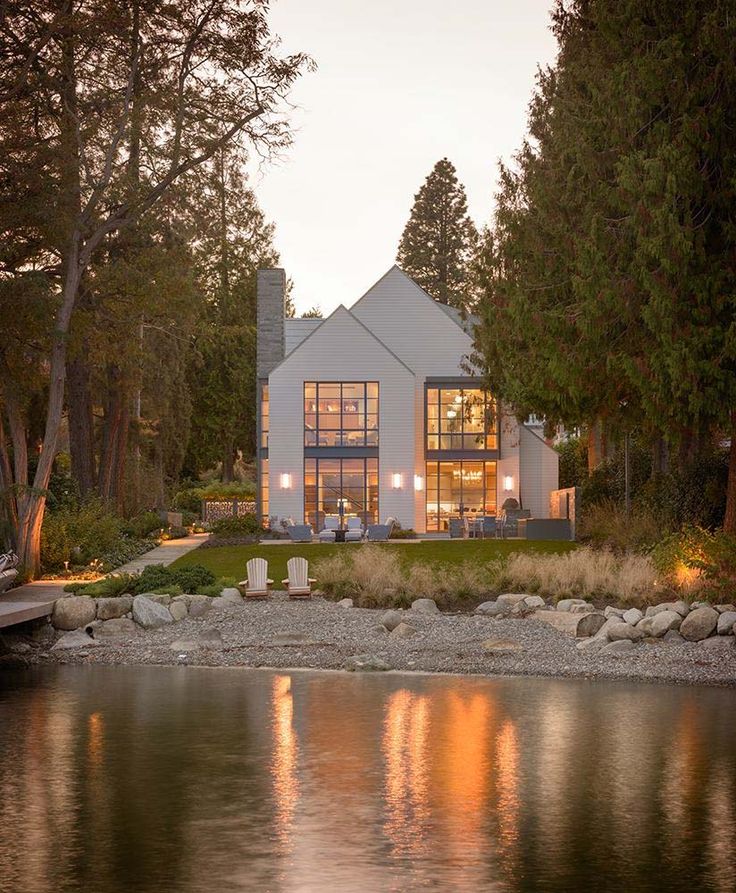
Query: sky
(399, 85)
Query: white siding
(296, 330)
(342, 350)
(539, 472)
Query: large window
(341, 413)
(460, 419)
(455, 489)
(341, 487)
(264, 490)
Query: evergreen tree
(438, 242)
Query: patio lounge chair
(300, 533)
(298, 583)
(457, 528)
(354, 533)
(377, 533)
(332, 522)
(257, 583)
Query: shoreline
(320, 635)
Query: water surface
(147, 779)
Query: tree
(612, 288)
(87, 88)
(439, 239)
(313, 313)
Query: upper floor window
(264, 416)
(340, 413)
(460, 419)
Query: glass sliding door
(458, 488)
(343, 488)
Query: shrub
(606, 525)
(142, 525)
(172, 589)
(371, 575)
(190, 498)
(243, 525)
(151, 578)
(582, 573)
(108, 587)
(213, 590)
(699, 561)
(192, 577)
(157, 578)
(78, 535)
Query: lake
(143, 779)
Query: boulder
(199, 605)
(206, 640)
(632, 616)
(592, 644)
(365, 663)
(577, 625)
(672, 637)
(646, 624)
(178, 610)
(582, 609)
(619, 632)
(492, 609)
(610, 611)
(512, 598)
(564, 604)
(718, 645)
(232, 595)
(425, 606)
(220, 603)
(723, 608)
(78, 638)
(185, 598)
(679, 607)
(391, 619)
(161, 598)
(117, 628)
(150, 614)
(403, 631)
(726, 622)
(73, 612)
(663, 622)
(699, 624)
(345, 603)
(109, 608)
(618, 647)
(535, 601)
(501, 646)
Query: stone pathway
(34, 600)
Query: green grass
(229, 561)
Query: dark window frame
(341, 431)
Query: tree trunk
(114, 439)
(660, 456)
(81, 425)
(729, 521)
(9, 510)
(228, 463)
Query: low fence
(215, 509)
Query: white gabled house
(369, 412)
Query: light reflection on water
(184, 779)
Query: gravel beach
(322, 634)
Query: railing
(215, 509)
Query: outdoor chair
(257, 583)
(457, 528)
(298, 583)
(300, 533)
(377, 533)
(332, 523)
(354, 532)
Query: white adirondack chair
(298, 583)
(257, 583)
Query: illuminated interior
(341, 413)
(460, 419)
(457, 489)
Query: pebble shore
(322, 634)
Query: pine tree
(438, 242)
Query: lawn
(229, 561)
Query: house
(372, 412)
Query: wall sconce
(396, 480)
(508, 483)
(286, 481)
(418, 482)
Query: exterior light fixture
(508, 483)
(418, 482)
(396, 480)
(286, 481)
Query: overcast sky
(399, 85)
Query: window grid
(342, 414)
(460, 419)
(457, 488)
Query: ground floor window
(341, 487)
(459, 488)
(264, 490)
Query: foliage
(156, 577)
(78, 535)
(573, 459)
(609, 287)
(242, 525)
(439, 239)
(213, 590)
(606, 525)
(190, 498)
(171, 589)
(700, 561)
(108, 587)
(141, 525)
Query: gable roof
(340, 309)
(395, 270)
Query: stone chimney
(270, 294)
